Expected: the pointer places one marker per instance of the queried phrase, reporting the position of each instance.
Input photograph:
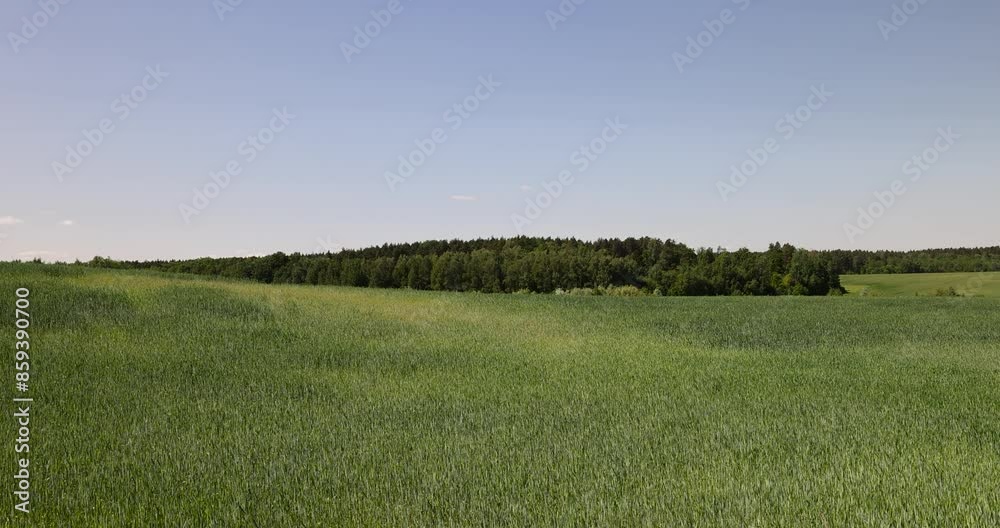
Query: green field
(926, 284)
(172, 401)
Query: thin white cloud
(67, 223)
(463, 198)
(527, 188)
(10, 220)
(38, 254)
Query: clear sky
(890, 91)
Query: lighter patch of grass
(986, 284)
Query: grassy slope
(969, 284)
(171, 402)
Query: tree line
(546, 265)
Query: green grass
(166, 401)
(917, 284)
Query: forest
(631, 266)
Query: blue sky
(320, 181)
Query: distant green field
(172, 401)
(914, 284)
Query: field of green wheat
(176, 401)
